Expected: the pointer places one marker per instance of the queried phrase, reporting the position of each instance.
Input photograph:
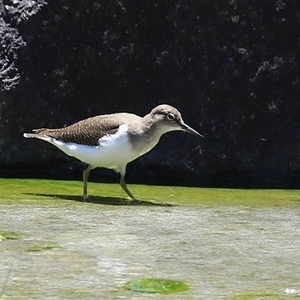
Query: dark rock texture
(231, 67)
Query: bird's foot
(135, 201)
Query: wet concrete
(219, 251)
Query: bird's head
(169, 119)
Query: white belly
(113, 151)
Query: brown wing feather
(90, 130)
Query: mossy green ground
(49, 192)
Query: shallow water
(221, 251)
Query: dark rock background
(231, 67)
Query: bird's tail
(29, 135)
(37, 133)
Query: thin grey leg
(86, 174)
(123, 183)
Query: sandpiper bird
(112, 141)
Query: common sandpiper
(113, 140)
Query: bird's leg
(123, 183)
(86, 174)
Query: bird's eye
(170, 116)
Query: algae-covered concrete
(89, 251)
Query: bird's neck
(145, 133)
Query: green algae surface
(9, 235)
(156, 285)
(262, 296)
(49, 192)
(42, 247)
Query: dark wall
(231, 67)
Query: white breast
(113, 151)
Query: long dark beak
(190, 130)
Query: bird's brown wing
(88, 131)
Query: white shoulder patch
(109, 139)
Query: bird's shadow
(102, 200)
